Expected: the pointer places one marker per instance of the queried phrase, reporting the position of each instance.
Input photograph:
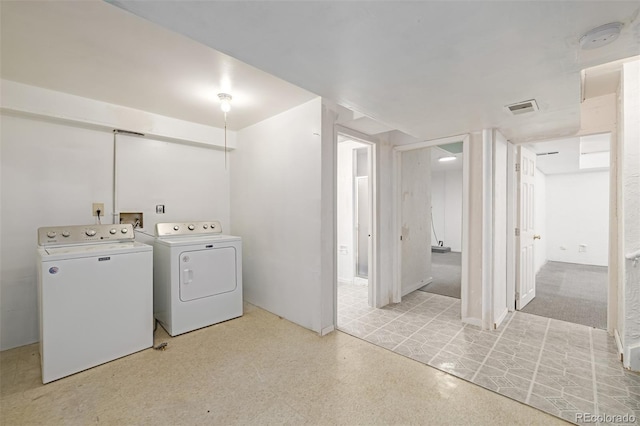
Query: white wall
(446, 204)
(190, 181)
(53, 171)
(346, 249)
(578, 214)
(276, 208)
(499, 227)
(540, 220)
(631, 212)
(472, 302)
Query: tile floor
(561, 368)
(255, 370)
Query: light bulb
(444, 159)
(225, 102)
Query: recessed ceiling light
(601, 36)
(445, 159)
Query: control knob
(66, 233)
(112, 231)
(124, 230)
(51, 234)
(191, 227)
(205, 226)
(90, 232)
(175, 228)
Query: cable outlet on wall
(97, 206)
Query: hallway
(558, 367)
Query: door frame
(614, 223)
(372, 147)
(396, 286)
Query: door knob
(536, 237)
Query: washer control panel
(82, 234)
(188, 228)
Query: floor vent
(523, 107)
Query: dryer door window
(205, 273)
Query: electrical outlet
(97, 206)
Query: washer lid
(90, 250)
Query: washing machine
(95, 296)
(197, 275)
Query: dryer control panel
(83, 234)
(188, 228)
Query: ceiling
(563, 155)
(429, 69)
(90, 48)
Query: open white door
(415, 208)
(525, 277)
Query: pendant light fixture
(225, 106)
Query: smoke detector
(601, 36)
(523, 107)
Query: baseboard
(500, 319)
(416, 286)
(327, 330)
(616, 336)
(360, 281)
(473, 321)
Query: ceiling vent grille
(523, 107)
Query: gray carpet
(571, 292)
(446, 274)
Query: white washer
(95, 294)
(197, 275)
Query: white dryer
(197, 275)
(95, 294)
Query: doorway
(399, 258)
(355, 226)
(446, 220)
(565, 252)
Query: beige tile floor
(565, 369)
(257, 369)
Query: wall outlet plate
(97, 206)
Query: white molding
(487, 227)
(511, 226)
(327, 330)
(416, 286)
(500, 318)
(616, 336)
(477, 322)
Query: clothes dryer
(197, 275)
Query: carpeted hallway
(564, 291)
(571, 292)
(446, 271)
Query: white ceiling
(567, 159)
(90, 48)
(430, 69)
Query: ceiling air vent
(523, 107)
